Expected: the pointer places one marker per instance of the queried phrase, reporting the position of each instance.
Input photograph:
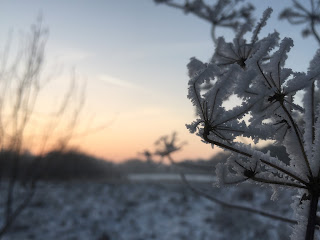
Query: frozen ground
(142, 211)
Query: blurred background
(87, 89)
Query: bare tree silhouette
(21, 81)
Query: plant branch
(300, 141)
(230, 148)
(262, 180)
(314, 32)
(226, 204)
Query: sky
(132, 56)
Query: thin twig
(229, 205)
(234, 206)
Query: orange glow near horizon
(119, 141)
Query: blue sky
(132, 55)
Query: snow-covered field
(142, 211)
(169, 177)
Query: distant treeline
(56, 165)
(73, 164)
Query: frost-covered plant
(221, 13)
(167, 145)
(267, 109)
(300, 14)
(239, 50)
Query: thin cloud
(117, 82)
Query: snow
(144, 210)
(169, 177)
